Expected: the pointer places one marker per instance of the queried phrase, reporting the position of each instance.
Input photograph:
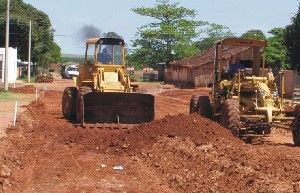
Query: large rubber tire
(201, 105)
(80, 104)
(194, 104)
(296, 127)
(230, 117)
(69, 103)
(204, 107)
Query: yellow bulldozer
(103, 91)
(245, 98)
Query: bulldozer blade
(109, 107)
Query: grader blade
(109, 107)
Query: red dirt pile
(192, 153)
(199, 130)
(181, 153)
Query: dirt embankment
(174, 153)
(28, 89)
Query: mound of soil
(27, 89)
(199, 130)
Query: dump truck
(249, 102)
(103, 92)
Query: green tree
(44, 49)
(214, 33)
(254, 34)
(112, 35)
(169, 37)
(292, 41)
(276, 52)
(78, 60)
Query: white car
(71, 71)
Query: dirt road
(175, 153)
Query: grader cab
(248, 102)
(103, 92)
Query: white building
(12, 64)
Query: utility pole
(29, 53)
(6, 48)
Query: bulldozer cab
(104, 68)
(105, 51)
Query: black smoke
(89, 31)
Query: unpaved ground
(175, 153)
(23, 96)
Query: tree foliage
(214, 33)
(168, 37)
(276, 52)
(254, 34)
(44, 49)
(112, 35)
(292, 41)
(69, 59)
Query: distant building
(198, 70)
(12, 65)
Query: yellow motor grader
(249, 102)
(103, 92)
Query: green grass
(7, 96)
(24, 78)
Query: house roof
(242, 42)
(208, 56)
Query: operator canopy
(108, 50)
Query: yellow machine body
(104, 91)
(260, 101)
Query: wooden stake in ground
(36, 94)
(15, 115)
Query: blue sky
(68, 16)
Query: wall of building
(201, 75)
(12, 64)
(179, 76)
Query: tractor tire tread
(231, 116)
(80, 103)
(194, 104)
(204, 107)
(69, 103)
(296, 127)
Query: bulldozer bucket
(109, 107)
